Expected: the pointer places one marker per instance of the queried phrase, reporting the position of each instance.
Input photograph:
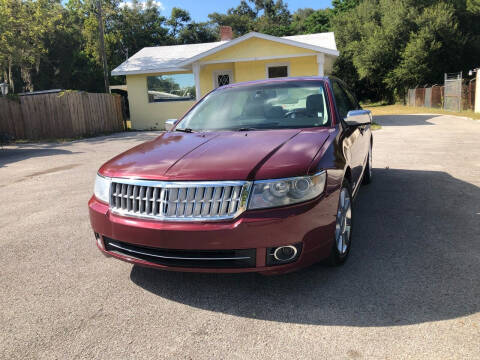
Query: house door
(221, 78)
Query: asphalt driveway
(411, 288)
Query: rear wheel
(343, 226)
(367, 175)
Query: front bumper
(310, 224)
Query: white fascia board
(260, 36)
(297, 44)
(116, 72)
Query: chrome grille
(177, 201)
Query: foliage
(318, 21)
(197, 32)
(162, 83)
(473, 6)
(178, 19)
(431, 51)
(386, 46)
(23, 27)
(341, 6)
(265, 16)
(241, 18)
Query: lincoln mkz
(257, 176)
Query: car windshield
(291, 104)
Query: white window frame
(269, 65)
(221, 72)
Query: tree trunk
(10, 77)
(26, 74)
(102, 46)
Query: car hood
(220, 155)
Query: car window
(352, 99)
(292, 104)
(341, 99)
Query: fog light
(283, 254)
(99, 241)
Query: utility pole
(102, 45)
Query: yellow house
(163, 82)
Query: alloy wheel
(344, 222)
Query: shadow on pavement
(404, 120)
(11, 155)
(414, 259)
(19, 152)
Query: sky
(199, 9)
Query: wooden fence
(61, 115)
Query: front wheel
(343, 227)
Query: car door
(353, 141)
(364, 129)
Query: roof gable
(284, 40)
(254, 48)
(180, 57)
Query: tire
(341, 246)
(368, 174)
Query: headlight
(102, 188)
(280, 192)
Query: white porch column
(321, 62)
(196, 74)
(477, 92)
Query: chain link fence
(453, 92)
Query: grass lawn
(398, 109)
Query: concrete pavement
(410, 289)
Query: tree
(25, 24)
(318, 21)
(177, 20)
(241, 18)
(275, 17)
(298, 20)
(135, 27)
(340, 6)
(265, 16)
(66, 65)
(434, 49)
(388, 45)
(473, 6)
(385, 45)
(195, 32)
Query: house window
(277, 70)
(221, 78)
(178, 87)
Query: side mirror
(358, 117)
(170, 123)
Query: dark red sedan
(257, 176)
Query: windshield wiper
(246, 129)
(187, 130)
